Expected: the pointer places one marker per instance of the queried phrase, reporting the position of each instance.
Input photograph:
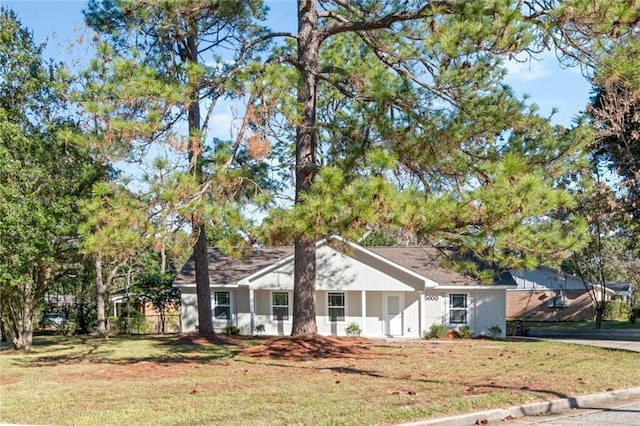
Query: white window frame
(452, 309)
(288, 305)
(344, 306)
(229, 320)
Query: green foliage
(457, 158)
(437, 331)
(379, 238)
(353, 329)
(232, 330)
(44, 174)
(157, 65)
(464, 332)
(156, 289)
(615, 310)
(116, 222)
(130, 321)
(260, 328)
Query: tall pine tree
(161, 62)
(423, 79)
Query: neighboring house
(621, 291)
(386, 291)
(59, 302)
(120, 300)
(546, 294)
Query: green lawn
(153, 380)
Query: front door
(393, 306)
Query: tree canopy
(413, 91)
(158, 64)
(44, 174)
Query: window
(336, 307)
(280, 306)
(458, 308)
(557, 302)
(222, 306)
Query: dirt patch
(311, 346)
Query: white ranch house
(387, 291)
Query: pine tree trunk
(101, 292)
(304, 306)
(304, 294)
(203, 292)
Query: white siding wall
(486, 308)
(489, 310)
(341, 273)
(435, 305)
(337, 271)
(240, 316)
(189, 309)
(375, 324)
(411, 323)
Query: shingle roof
(425, 261)
(228, 270)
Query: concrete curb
(535, 409)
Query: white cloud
(222, 125)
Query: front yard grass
(158, 380)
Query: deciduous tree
(43, 175)
(115, 233)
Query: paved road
(614, 414)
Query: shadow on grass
(56, 350)
(406, 382)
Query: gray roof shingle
(425, 261)
(229, 270)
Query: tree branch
(429, 9)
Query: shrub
(615, 310)
(129, 322)
(353, 329)
(260, 328)
(436, 331)
(494, 330)
(464, 332)
(232, 330)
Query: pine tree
(160, 63)
(418, 85)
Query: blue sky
(548, 85)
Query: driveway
(614, 339)
(627, 345)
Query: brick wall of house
(533, 305)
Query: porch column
(252, 312)
(422, 315)
(363, 307)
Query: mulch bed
(311, 346)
